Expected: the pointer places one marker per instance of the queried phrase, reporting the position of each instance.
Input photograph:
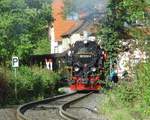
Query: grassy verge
(30, 84)
(130, 100)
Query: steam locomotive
(85, 61)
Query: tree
(121, 16)
(23, 23)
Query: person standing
(50, 64)
(47, 64)
(113, 74)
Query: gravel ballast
(8, 114)
(86, 109)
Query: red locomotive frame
(78, 85)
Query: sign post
(15, 65)
(15, 62)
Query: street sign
(15, 62)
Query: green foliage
(143, 85)
(4, 88)
(31, 83)
(110, 43)
(43, 47)
(128, 100)
(131, 98)
(120, 17)
(23, 24)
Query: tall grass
(30, 84)
(130, 100)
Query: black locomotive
(86, 60)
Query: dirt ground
(8, 114)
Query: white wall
(70, 40)
(61, 47)
(65, 44)
(53, 43)
(75, 37)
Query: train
(82, 65)
(85, 62)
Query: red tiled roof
(60, 24)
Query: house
(60, 26)
(68, 31)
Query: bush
(130, 98)
(30, 83)
(4, 89)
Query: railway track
(87, 108)
(54, 108)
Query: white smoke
(91, 5)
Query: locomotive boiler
(85, 61)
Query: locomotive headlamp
(93, 69)
(85, 42)
(76, 69)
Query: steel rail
(23, 108)
(65, 114)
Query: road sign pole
(16, 91)
(15, 72)
(15, 65)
